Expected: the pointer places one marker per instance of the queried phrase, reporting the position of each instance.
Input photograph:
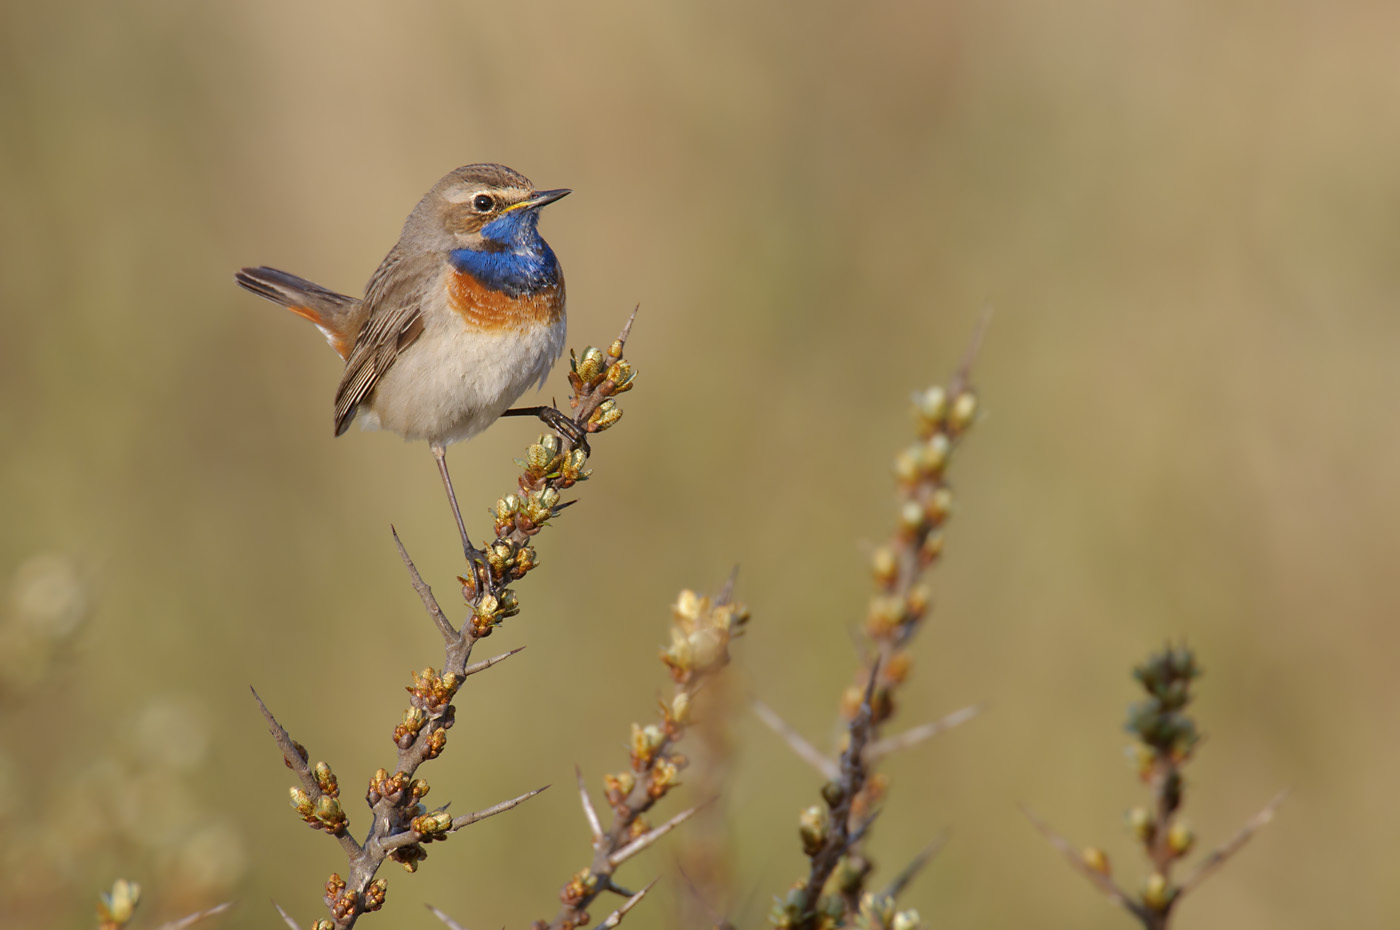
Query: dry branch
(400, 825)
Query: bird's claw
(480, 572)
(563, 424)
(557, 420)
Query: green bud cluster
(592, 369)
(1161, 722)
(434, 826)
(546, 461)
(935, 412)
(490, 609)
(321, 812)
(375, 894)
(606, 415)
(1166, 738)
(700, 636)
(598, 376)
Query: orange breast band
(492, 310)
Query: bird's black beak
(542, 198)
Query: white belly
(454, 381)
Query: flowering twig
(701, 633)
(833, 892)
(1167, 737)
(400, 824)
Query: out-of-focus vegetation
(1186, 216)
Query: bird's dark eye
(483, 203)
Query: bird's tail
(337, 316)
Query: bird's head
(484, 208)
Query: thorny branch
(615, 918)
(1219, 856)
(701, 633)
(184, 923)
(832, 835)
(1088, 866)
(833, 892)
(1166, 739)
(400, 825)
(915, 866)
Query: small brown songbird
(463, 314)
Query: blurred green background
(1186, 217)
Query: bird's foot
(557, 420)
(479, 578)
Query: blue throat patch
(521, 264)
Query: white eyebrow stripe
(465, 195)
(508, 197)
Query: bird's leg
(474, 555)
(557, 420)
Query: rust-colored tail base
(336, 315)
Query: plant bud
(933, 455)
(680, 708)
(688, 606)
(325, 779)
(301, 801)
(813, 826)
(931, 404)
(1140, 822)
(963, 410)
(1096, 859)
(590, 365)
(883, 565)
(606, 415)
(1180, 839)
(906, 467)
(1156, 893)
(620, 374)
(940, 504)
(119, 904)
(906, 920)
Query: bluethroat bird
(463, 314)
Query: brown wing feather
(394, 302)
